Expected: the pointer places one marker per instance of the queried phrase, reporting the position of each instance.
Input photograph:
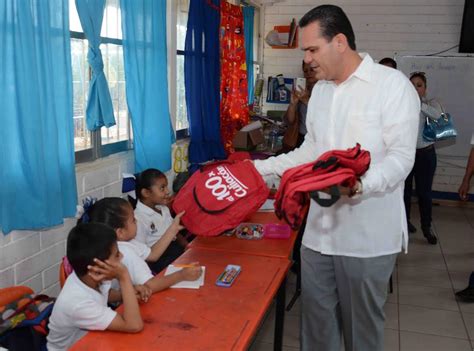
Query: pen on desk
(184, 265)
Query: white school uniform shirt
(150, 224)
(141, 249)
(139, 271)
(78, 309)
(379, 108)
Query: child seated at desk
(117, 213)
(154, 217)
(93, 253)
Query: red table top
(209, 318)
(281, 248)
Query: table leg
(280, 316)
(297, 291)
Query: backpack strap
(333, 191)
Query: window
(91, 145)
(182, 123)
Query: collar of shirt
(141, 207)
(363, 71)
(104, 286)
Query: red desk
(281, 248)
(210, 318)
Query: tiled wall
(382, 28)
(32, 258)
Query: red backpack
(298, 184)
(220, 196)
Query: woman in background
(295, 116)
(425, 163)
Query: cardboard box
(248, 140)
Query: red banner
(234, 109)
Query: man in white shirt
(349, 250)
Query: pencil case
(249, 231)
(276, 231)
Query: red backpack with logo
(220, 196)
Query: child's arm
(131, 321)
(142, 292)
(158, 283)
(161, 245)
(182, 240)
(114, 296)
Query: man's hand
(106, 270)
(142, 292)
(346, 191)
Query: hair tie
(82, 212)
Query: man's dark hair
(332, 21)
(87, 241)
(145, 180)
(387, 61)
(110, 211)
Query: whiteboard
(451, 81)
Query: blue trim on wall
(444, 195)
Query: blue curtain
(248, 12)
(100, 111)
(144, 47)
(37, 175)
(202, 80)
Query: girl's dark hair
(420, 75)
(110, 211)
(87, 241)
(332, 21)
(145, 180)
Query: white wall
(382, 28)
(32, 258)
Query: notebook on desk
(186, 284)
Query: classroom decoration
(99, 111)
(220, 196)
(234, 107)
(249, 13)
(146, 74)
(201, 75)
(333, 168)
(279, 89)
(38, 179)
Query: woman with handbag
(425, 162)
(295, 116)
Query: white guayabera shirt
(379, 108)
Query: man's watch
(357, 189)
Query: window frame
(98, 150)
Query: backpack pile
(299, 184)
(23, 319)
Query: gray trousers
(343, 296)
